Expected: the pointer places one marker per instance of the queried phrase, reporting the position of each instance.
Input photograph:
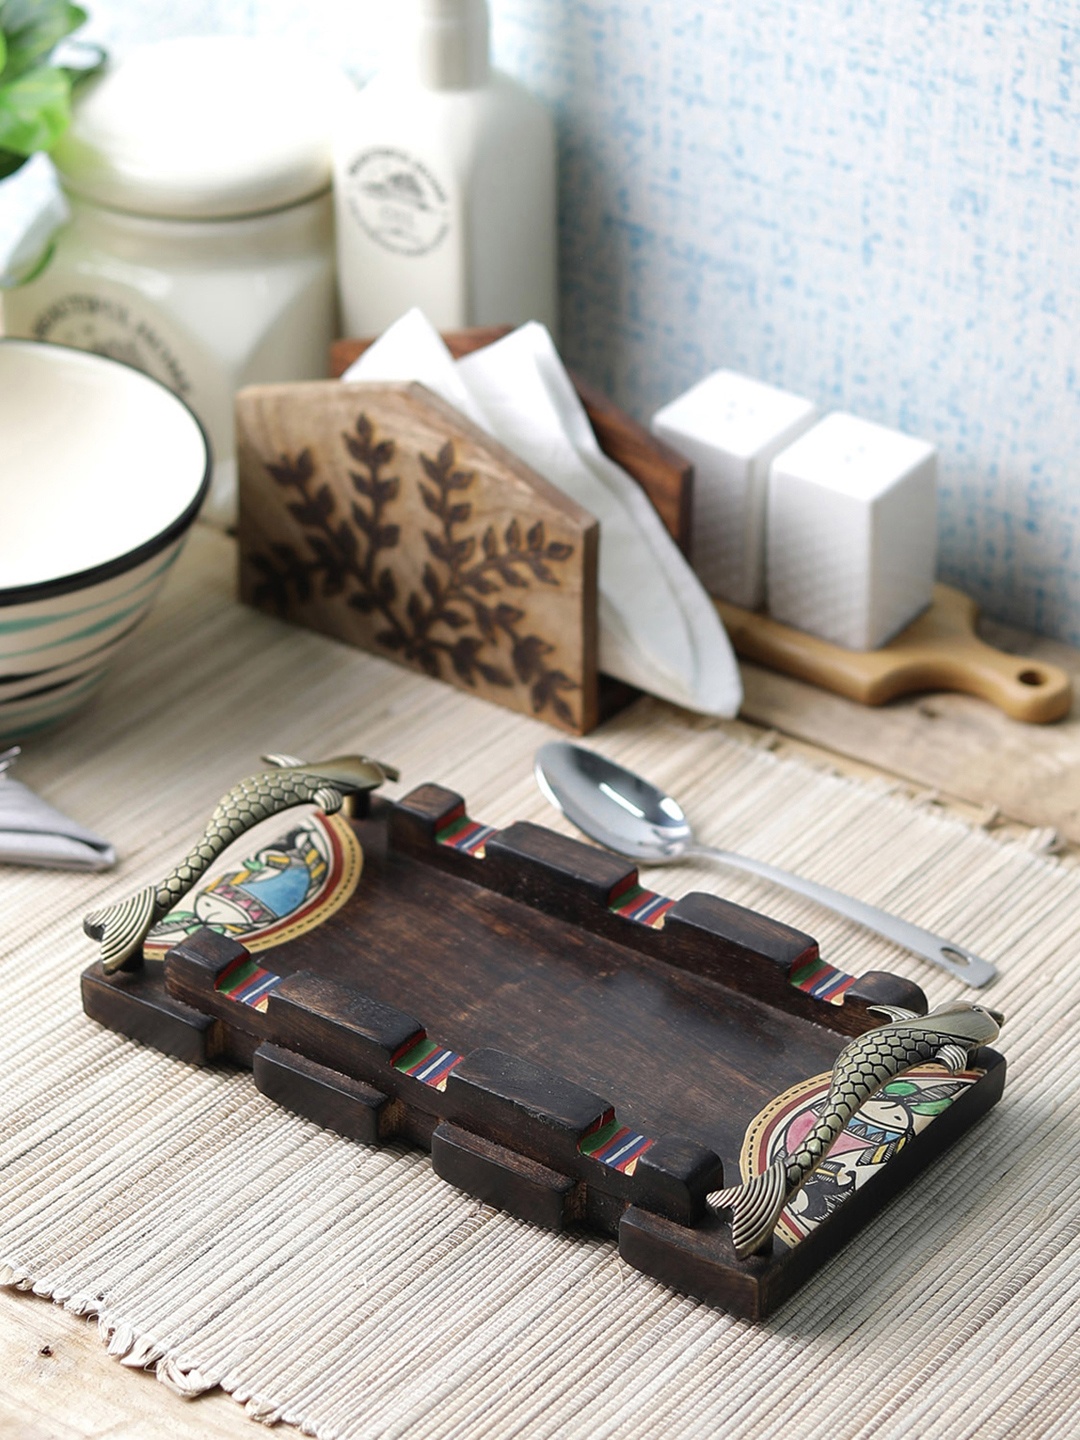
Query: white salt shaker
(852, 531)
(730, 427)
(201, 244)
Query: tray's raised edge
(701, 1261)
(579, 883)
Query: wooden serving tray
(570, 1047)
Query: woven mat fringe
(351, 1293)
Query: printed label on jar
(398, 202)
(106, 327)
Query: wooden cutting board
(938, 651)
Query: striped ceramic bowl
(102, 472)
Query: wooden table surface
(56, 1379)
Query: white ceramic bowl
(102, 472)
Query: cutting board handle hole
(1031, 677)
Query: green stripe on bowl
(86, 633)
(35, 622)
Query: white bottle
(444, 181)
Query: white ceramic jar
(201, 243)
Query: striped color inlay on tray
(245, 980)
(615, 1145)
(822, 981)
(644, 906)
(461, 833)
(428, 1061)
(816, 978)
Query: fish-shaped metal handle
(946, 1036)
(123, 927)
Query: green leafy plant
(35, 93)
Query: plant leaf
(33, 29)
(387, 587)
(429, 661)
(9, 163)
(34, 111)
(493, 675)
(484, 623)
(437, 546)
(432, 501)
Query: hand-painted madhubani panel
(885, 1124)
(281, 879)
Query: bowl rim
(130, 559)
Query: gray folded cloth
(33, 833)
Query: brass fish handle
(945, 1036)
(121, 928)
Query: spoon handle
(957, 960)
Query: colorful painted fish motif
(946, 1036)
(123, 927)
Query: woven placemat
(349, 1291)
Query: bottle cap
(451, 43)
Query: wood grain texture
(665, 475)
(379, 515)
(938, 651)
(555, 1018)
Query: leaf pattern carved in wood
(462, 619)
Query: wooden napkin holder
(376, 513)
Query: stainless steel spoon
(633, 818)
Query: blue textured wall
(876, 205)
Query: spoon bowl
(634, 818)
(615, 806)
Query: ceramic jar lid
(204, 128)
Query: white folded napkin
(33, 833)
(658, 628)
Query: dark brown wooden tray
(570, 1047)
